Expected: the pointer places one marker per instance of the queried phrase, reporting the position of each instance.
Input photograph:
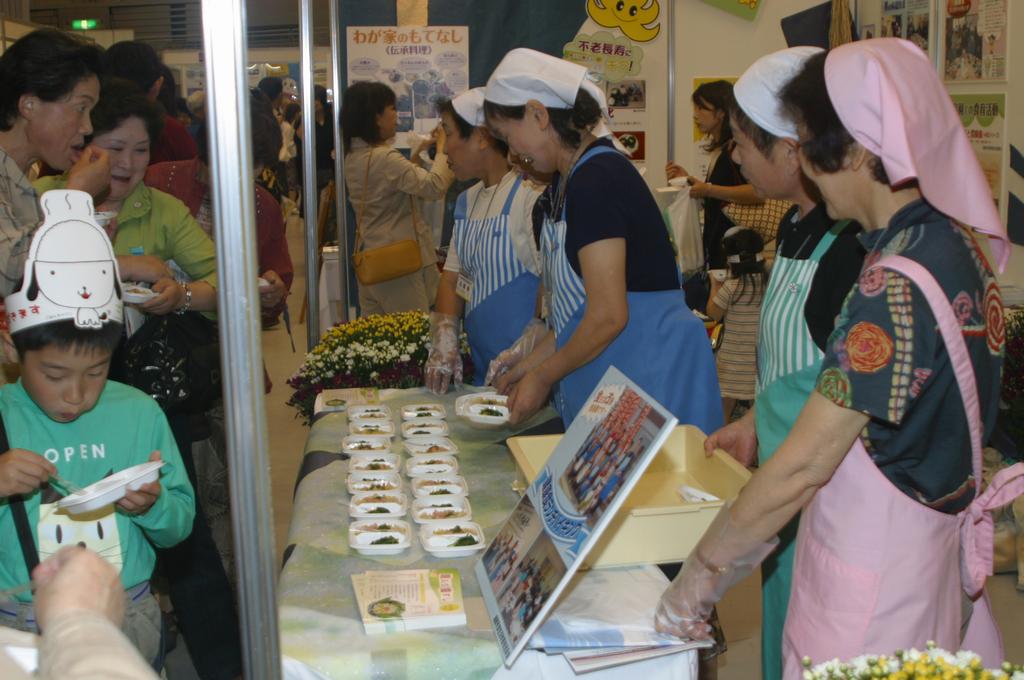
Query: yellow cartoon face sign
(632, 17)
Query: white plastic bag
(684, 222)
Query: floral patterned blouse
(887, 360)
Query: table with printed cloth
(321, 630)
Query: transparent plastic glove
(724, 556)
(533, 333)
(443, 363)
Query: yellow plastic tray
(655, 524)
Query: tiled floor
(740, 612)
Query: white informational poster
(422, 64)
(984, 119)
(976, 40)
(574, 498)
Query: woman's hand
(269, 299)
(170, 296)
(77, 580)
(700, 189)
(738, 439)
(143, 268)
(528, 396)
(673, 170)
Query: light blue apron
(788, 363)
(663, 348)
(504, 294)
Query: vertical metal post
(310, 194)
(671, 35)
(231, 174)
(339, 158)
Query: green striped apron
(788, 363)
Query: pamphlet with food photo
(573, 499)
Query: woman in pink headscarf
(895, 539)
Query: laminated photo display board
(588, 476)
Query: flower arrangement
(382, 350)
(931, 664)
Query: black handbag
(174, 358)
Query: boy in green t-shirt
(64, 418)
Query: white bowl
(431, 427)
(111, 489)
(355, 444)
(363, 533)
(475, 414)
(370, 411)
(423, 509)
(435, 486)
(431, 464)
(439, 538)
(363, 504)
(463, 403)
(373, 481)
(374, 462)
(420, 411)
(136, 294)
(419, 446)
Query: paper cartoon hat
(71, 272)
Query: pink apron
(876, 571)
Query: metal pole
(309, 195)
(671, 81)
(339, 159)
(231, 174)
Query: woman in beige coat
(382, 184)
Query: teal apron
(788, 363)
(663, 348)
(504, 294)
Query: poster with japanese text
(422, 64)
(588, 476)
(909, 19)
(984, 118)
(975, 41)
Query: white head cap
(757, 90)
(71, 272)
(526, 74)
(470, 106)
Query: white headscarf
(470, 106)
(757, 90)
(526, 74)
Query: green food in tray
(491, 412)
(440, 492)
(378, 466)
(385, 540)
(378, 511)
(464, 541)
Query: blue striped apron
(663, 348)
(504, 293)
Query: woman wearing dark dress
(722, 184)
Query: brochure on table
(561, 516)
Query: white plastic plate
(419, 446)
(111, 489)
(431, 464)
(439, 486)
(367, 505)
(441, 509)
(364, 535)
(440, 538)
